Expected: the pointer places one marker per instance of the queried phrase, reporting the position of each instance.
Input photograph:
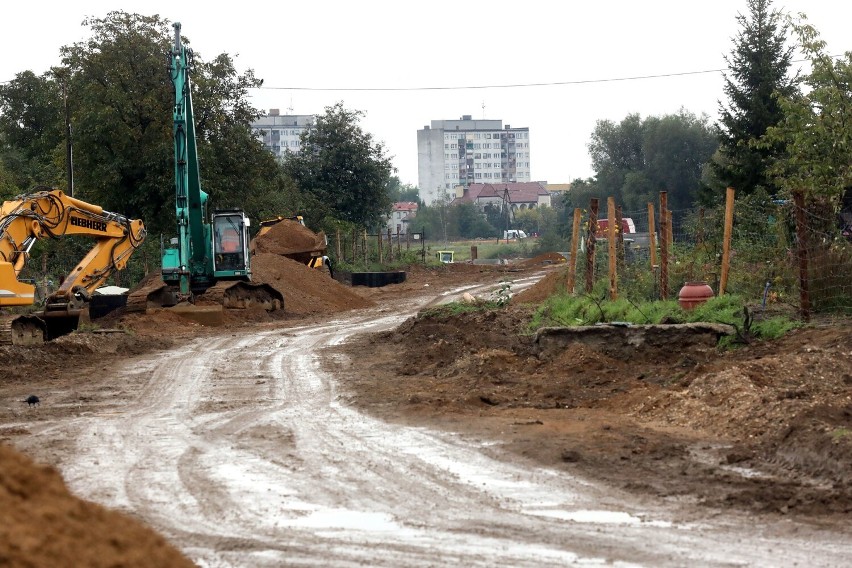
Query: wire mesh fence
(380, 248)
(773, 252)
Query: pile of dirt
(306, 290)
(552, 283)
(42, 524)
(287, 237)
(543, 259)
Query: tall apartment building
(466, 151)
(281, 132)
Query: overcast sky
(405, 64)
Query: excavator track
(207, 308)
(243, 295)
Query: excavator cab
(230, 243)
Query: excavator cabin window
(228, 243)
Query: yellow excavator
(53, 214)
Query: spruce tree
(758, 73)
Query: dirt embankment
(765, 428)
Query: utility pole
(69, 154)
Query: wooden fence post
(652, 237)
(572, 257)
(802, 251)
(612, 248)
(590, 244)
(619, 242)
(726, 242)
(366, 248)
(670, 235)
(664, 246)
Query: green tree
(32, 131)
(677, 147)
(616, 151)
(429, 220)
(758, 75)
(122, 102)
(468, 222)
(399, 191)
(8, 188)
(637, 158)
(528, 220)
(817, 129)
(237, 170)
(582, 190)
(342, 170)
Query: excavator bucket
(28, 330)
(242, 295)
(60, 322)
(35, 329)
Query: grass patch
(590, 309)
(840, 433)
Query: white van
(514, 234)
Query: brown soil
(287, 237)
(763, 429)
(43, 525)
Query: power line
(509, 86)
(515, 85)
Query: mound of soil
(42, 524)
(287, 237)
(552, 283)
(306, 290)
(543, 260)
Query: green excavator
(209, 260)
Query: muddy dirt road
(239, 449)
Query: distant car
(514, 234)
(627, 227)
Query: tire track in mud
(240, 453)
